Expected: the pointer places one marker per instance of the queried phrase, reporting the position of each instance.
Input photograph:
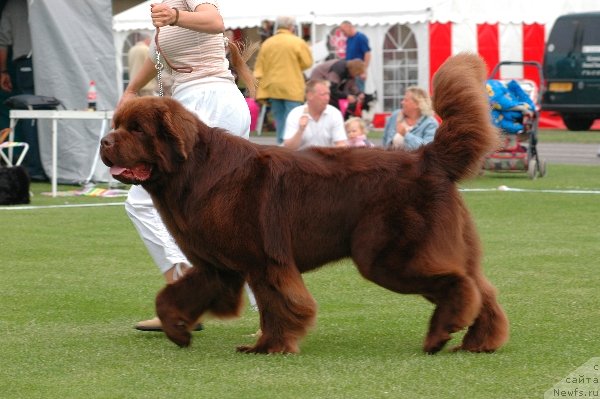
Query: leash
(159, 65)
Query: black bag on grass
(14, 185)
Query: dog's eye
(134, 126)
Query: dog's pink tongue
(116, 170)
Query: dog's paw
(434, 344)
(473, 348)
(267, 349)
(247, 349)
(178, 333)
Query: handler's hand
(5, 82)
(127, 95)
(161, 14)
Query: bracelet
(176, 16)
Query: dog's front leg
(202, 289)
(287, 310)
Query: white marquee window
(400, 66)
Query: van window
(562, 38)
(572, 70)
(591, 32)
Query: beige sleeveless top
(204, 52)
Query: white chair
(9, 146)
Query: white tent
(375, 18)
(323, 16)
(245, 14)
(71, 47)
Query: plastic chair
(9, 146)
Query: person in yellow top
(136, 56)
(278, 69)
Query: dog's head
(151, 136)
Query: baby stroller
(515, 111)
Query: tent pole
(313, 30)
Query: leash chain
(159, 67)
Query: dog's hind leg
(202, 289)
(457, 301)
(456, 296)
(287, 310)
(490, 330)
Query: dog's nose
(107, 141)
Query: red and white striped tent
(499, 30)
(493, 41)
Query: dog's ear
(178, 128)
(182, 126)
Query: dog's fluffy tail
(466, 133)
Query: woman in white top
(193, 51)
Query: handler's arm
(205, 18)
(5, 82)
(146, 73)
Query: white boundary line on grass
(527, 190)
(29, 207)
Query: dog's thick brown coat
(264, 214)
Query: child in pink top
(356, 130)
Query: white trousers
(218, 104)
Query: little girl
(356, 130)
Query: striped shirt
(204, 52)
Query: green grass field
(75, 279)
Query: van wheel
(578, 123)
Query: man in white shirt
(316, 123)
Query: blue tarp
(509, 102)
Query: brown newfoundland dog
(265, 214)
